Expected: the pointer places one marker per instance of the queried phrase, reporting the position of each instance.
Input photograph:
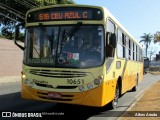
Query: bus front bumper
(91, 97)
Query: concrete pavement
(8, 79)
(10, 58)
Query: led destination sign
(65, 13)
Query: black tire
(136, 86)
(114, 102)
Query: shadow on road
(13, 103)
(79, 112)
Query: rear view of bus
(70, 56)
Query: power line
(24, 3)
(35, 3)
(8, 17)
(13, 11)
(7, 7)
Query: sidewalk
(146, 107)
(9, 79)
(10, 59)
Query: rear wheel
(114, 102)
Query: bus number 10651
(75, 81)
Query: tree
(146, 39)
(14, 11)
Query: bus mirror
(111, 39)
(17, 35)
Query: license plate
(54, 95)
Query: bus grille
(58, 87)
(63, 97)
(58, 73)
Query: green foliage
(21, 37)
(7, 30)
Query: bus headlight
(31, 84)
(89, 86)
(26, 81)
(97, 82)
(81, 88)
(23, 76)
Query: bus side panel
(133, 69)
(109, 90)
(128, 72)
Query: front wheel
(114, 102)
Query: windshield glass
(76, 46)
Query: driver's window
(110, 50)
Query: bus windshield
(65, 46)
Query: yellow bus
(78, 54)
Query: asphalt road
(10, 100)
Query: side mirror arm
(21, 47)
(17, 34)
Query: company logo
(40, 82)
(15, 114)
(6, 114)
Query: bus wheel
(136, 86)
(114, 102)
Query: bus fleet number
(75, 81)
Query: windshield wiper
(72, 31)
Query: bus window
(130, 49)
(120, 44)
(110, 29)
(124, 44)
(127, 48)
(133, 51)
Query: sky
(137, 16)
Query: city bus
(78, 54)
